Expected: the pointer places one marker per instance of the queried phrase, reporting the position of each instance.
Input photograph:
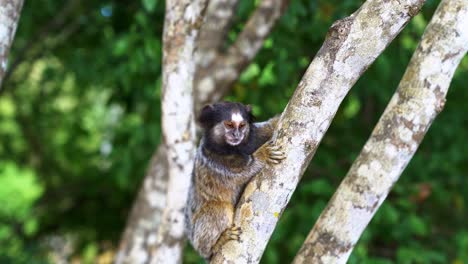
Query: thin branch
(9, 16)
(395, 139)
(218, 17)
(352, 44)
(215, 75)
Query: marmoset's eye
(241, 125)
(228, 124)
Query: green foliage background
(80, 118)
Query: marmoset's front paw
(231, 233)
(275, 153)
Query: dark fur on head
(213, 114)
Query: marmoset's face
(236, 129)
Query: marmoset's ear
(248, 109)
(206, 117)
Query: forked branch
(352, 44)
(395, 139)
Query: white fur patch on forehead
(237, 117)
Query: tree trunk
(181, 28)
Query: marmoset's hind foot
(275, 153)
(231, 233)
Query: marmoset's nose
(237, 133)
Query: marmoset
(232, 150)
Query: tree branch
(352, 44)
(395, 139)
(145, 216)
(181, 28)
(9, 16)
(215, 26)
(215, 75)
(146, 213)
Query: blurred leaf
(7, 107)
(352, 107)
(20, 184)
(317, 187)
(121, 47)
(417, 225)
(90, 253)
(150, 5)
(419, 23)
(31, 226)
(268, 76)
(408, 42)
(251, 72)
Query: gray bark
(215, 27)
(181, 29)
(145, 216)
(419, 98)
